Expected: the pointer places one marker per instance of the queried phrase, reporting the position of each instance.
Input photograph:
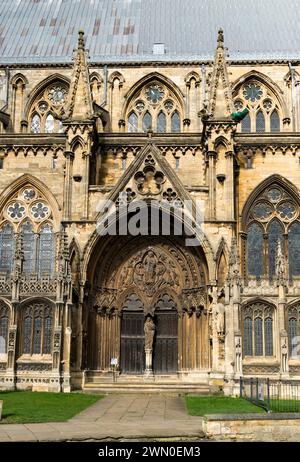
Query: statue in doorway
(149, 329)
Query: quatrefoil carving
(149, 181)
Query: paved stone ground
(116, 417)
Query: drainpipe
(293, 94)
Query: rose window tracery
(45, 114)
(264, 110)
(154, 108)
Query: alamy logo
(152, 217)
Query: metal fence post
(268, 394)
(257, 391)
(241, 387)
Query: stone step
(149, 387)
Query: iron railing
(272, 395)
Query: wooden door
(165, 351)
(132, 343)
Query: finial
(220, 38)
(80, 39)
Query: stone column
(229, 185)
(69, 155)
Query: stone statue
(284, 351)
(149, 329)
(220, 318)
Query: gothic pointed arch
(19, 78)
(116, 75)
(192, 76)
(261, 95)
(30, 180)
(41, 86)
(271, 227)
(153, 93)
(222, 260)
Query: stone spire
(80, 103)
(220, 101)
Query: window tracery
(263, 108)
(273, 217)
(29, 214)
(257, 321)
(293, 330)
(46, 110)
(155, 107)
(37, 329)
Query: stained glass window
(260, 122)
(48, 334)
(292, 336)
(37, 329)
(255, 250)
(248, 343)
(274, 121)
(27, 334)
(37, 334)
(132, 123)
(46, 250)
(246, 124)
(268, 337)
(6, 248)
(36, 124)
(275, 233)
(4, 322)
(294, 249)
(147, 122)
(161, 123)
(258, 335)
(175, 122)
(49, 124)
(29, 248)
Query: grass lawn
(284, 405)
(28, 407)
(201, 405)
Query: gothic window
(272, 225)
(255, 249)
(46, 250)
(132, 123)
(49, 124)
(155, 107)
(274, 121)
(29, 248)
(293, 329)
(45, 113)
(257, 320)
(6, 248)
(161, 122)
(4, 324)
(36, 123)
(147, 122)
(262, 104)
(260, 122)
(248, 337)
(246, 124)
(29, 213)
(175, 122)
(294, 249)
(37, 329)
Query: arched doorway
(137, 278)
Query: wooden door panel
(132, 343)
(165, 352)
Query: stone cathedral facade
(80, 310)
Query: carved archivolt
(151, 272)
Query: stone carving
(284, 351)
(149, 271)
(149, 180)
(238, 354)
(220, 319)
(280, 266)
(149, 329)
